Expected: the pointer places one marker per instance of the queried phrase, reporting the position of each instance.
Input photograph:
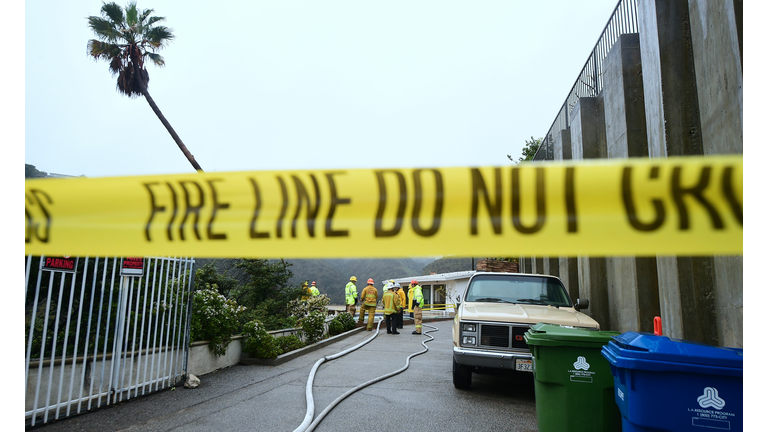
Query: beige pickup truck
(495, 312)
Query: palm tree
(125, 40)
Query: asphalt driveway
(272, 398)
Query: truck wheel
(462, 376)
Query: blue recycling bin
(663, 384)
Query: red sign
(63, 264)
(132, 266)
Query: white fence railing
(96, 336)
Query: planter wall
(202, 360)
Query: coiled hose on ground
(309, 424)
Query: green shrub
(347, 319)
(289, 343)
(258, 343)
(341, 323)
(313, 326)
(335, 327)
(214, 318)
(271, 321)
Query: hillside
(448, 265)
(332, 275)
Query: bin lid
(635, 350)
(559, 335)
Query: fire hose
(309, 424)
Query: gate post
(117, 352)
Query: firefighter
(400, 293)
(305, 291)
(410, 300)
(369, 296)
(391, 302)
(351, 295)
(313, 290)
(417, 302)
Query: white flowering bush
(300, 308)
(313, 326)
(310, 315)
(214, 318)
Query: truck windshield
(517, 289)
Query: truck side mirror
(581, 304)
(458, 299)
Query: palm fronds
(105, 30)
(124, 37)
(114, 13)
(103, 50)
(158, 36)
(131, 14)
(157, 59)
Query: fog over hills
(332, 275)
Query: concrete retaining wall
(673, 89)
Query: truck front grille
(498, 336)
(494, 335)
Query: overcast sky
(255, 85)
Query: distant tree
(208, 274)
(266, 291)
(267, 280)
(529, 150)
(125, 39)
(30, 171)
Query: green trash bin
(572, 379)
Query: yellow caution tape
(430, 307)
(671, 206)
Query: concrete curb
(299, 352)
(317, 345)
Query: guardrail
(589, 83)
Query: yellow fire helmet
(353, 279)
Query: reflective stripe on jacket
(418, 298)
(370, 295)
(391, 302)
(351, 293)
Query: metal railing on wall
(96, 335)
(589, 83)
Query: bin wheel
(462, 376)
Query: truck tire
(462, 376)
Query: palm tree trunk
(165, 123)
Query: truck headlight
(468, 340)
(469, 327)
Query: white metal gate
(95, 337)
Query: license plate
(525, 365)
